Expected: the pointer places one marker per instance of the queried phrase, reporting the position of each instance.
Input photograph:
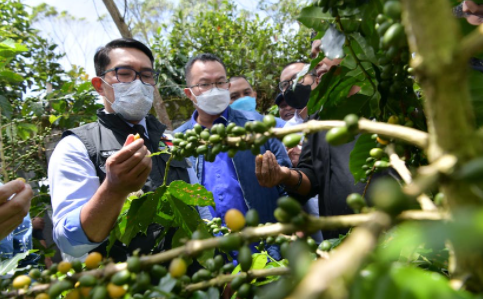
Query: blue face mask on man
(246, 103)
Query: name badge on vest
(107, 154)
(165, 142)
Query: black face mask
(299, 97)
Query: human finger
(258, 165)
(135, 159)
(127, 151)
(143, 165)
(13, 211)
(10, 188)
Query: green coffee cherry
(338, 136)
(352, 123)
(245, 258)
(269, 120)
(292, 140)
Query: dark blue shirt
(220, 177)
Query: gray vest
(104, 138)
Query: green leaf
(141, 214)
(54, 118)
(84, 87)
(10, 76)
(259, 260)
(167, 283)
(206, 254)
(25, 130)
(179, 235)
(333, 43)
(11, 264)
(320, 94)
(6, 107)
(194, 195)
(359, 155)
(348, 105)
(186, 217)
(313, 17)
(402, 282)
(367, 49)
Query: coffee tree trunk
(121, 25)
(441, 65)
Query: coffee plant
(416, 110)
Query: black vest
(104, 138)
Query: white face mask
(132, 100)
(213, 101)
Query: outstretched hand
(269, 173)
(14, 210)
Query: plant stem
(332, 277)
(442, 71)
(2, 153)
(193, 247)
(424, 201)
(223, 279)
(165, 179)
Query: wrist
(112, 190)
(286, 175)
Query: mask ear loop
(103, 97)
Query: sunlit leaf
(191, 194)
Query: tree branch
(117, 18)
(400, 166)
(473, 43)
(223, 279)
(409, 135)
(193, 247)
(329, 277)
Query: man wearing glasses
(95, 167)
(232, 180)
(296, 98)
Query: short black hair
(203, 58)
(240, 77)
(102, 60)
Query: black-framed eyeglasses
(308, 79)
(127, 75)
(202, 87)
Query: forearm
(100, 213)
(291, 180)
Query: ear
(190, 95)
(97, 84)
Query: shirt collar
(142, 122)
(223, 119)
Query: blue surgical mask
(245, 103)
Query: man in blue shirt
(243, 97)
(232, 181)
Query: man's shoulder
(244, 116)
(83, 128)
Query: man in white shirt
(95, 167)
